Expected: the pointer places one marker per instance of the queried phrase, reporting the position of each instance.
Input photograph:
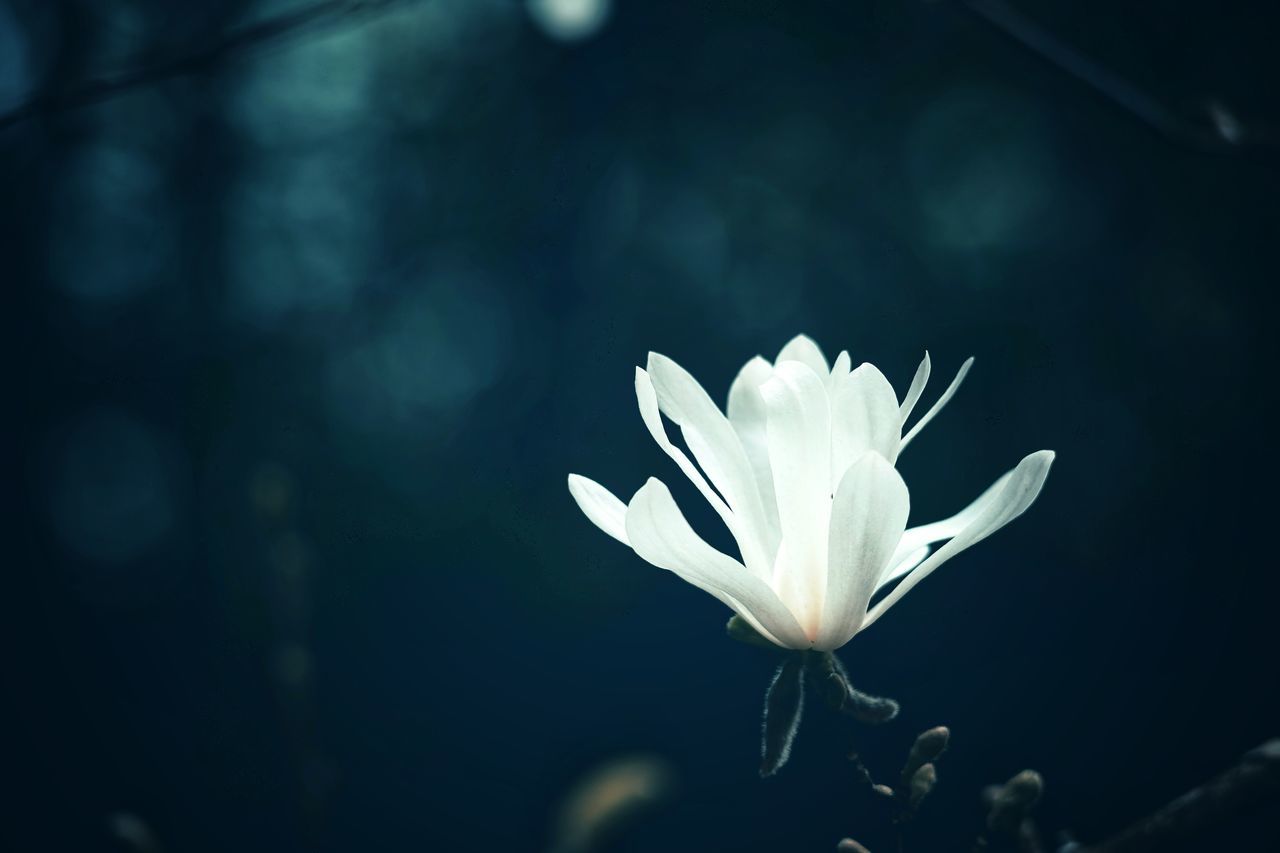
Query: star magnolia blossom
(802, 472)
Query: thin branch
(1252, 782)
(233, 43)
(1216, 129)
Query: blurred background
(309, 327)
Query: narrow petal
(918, 539)
(749, 417)
(864, 416)
(920, 380)
(598, 504)
(802, 348)
(1018, 492)
(659, 533)
(900, 564)
(799, 429)
(868, 515)
(839, 369)
(648, 401)
(937, 407)
(649, 412)
(715, 444)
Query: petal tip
(656, 361)
(649, 485)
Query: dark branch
(1215, 129)
(1252, 782)
(231, 44)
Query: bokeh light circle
(569, 20)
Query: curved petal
(647, 398)
(599, 504)
(799, 429)
(918, 382)
(648, 401)
(917, 538)
(868, 515)
(864, 416)
(900, 565)
(937, 407)
(803, 349)
(749, 417)
(715, 444)
(1018, 492)
(659, 534)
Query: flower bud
(1014, 801)
(842, 695)
(883, 790)
(928, 746)
(782, 706)
(922, 782)
(848, 845)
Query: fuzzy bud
(842, 696)
(922, 782)
(1014, 801)
(928, 746)
(848, 845)
(782, 706)
(883, 791)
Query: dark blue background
(306, 343)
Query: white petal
(799, 428)
(660, 534)
(900, 565)
(749, 417)
(649, 412)
(864, 416)
(802, 348)
(839, 370)
(648, 401)
(1020, 489)
(868, 515)
(599, 504)
(937, 407)
(918, 382)
(745, 403)
(918, 539)
(716, 446)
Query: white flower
(802, 472)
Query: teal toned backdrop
(308, 334)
